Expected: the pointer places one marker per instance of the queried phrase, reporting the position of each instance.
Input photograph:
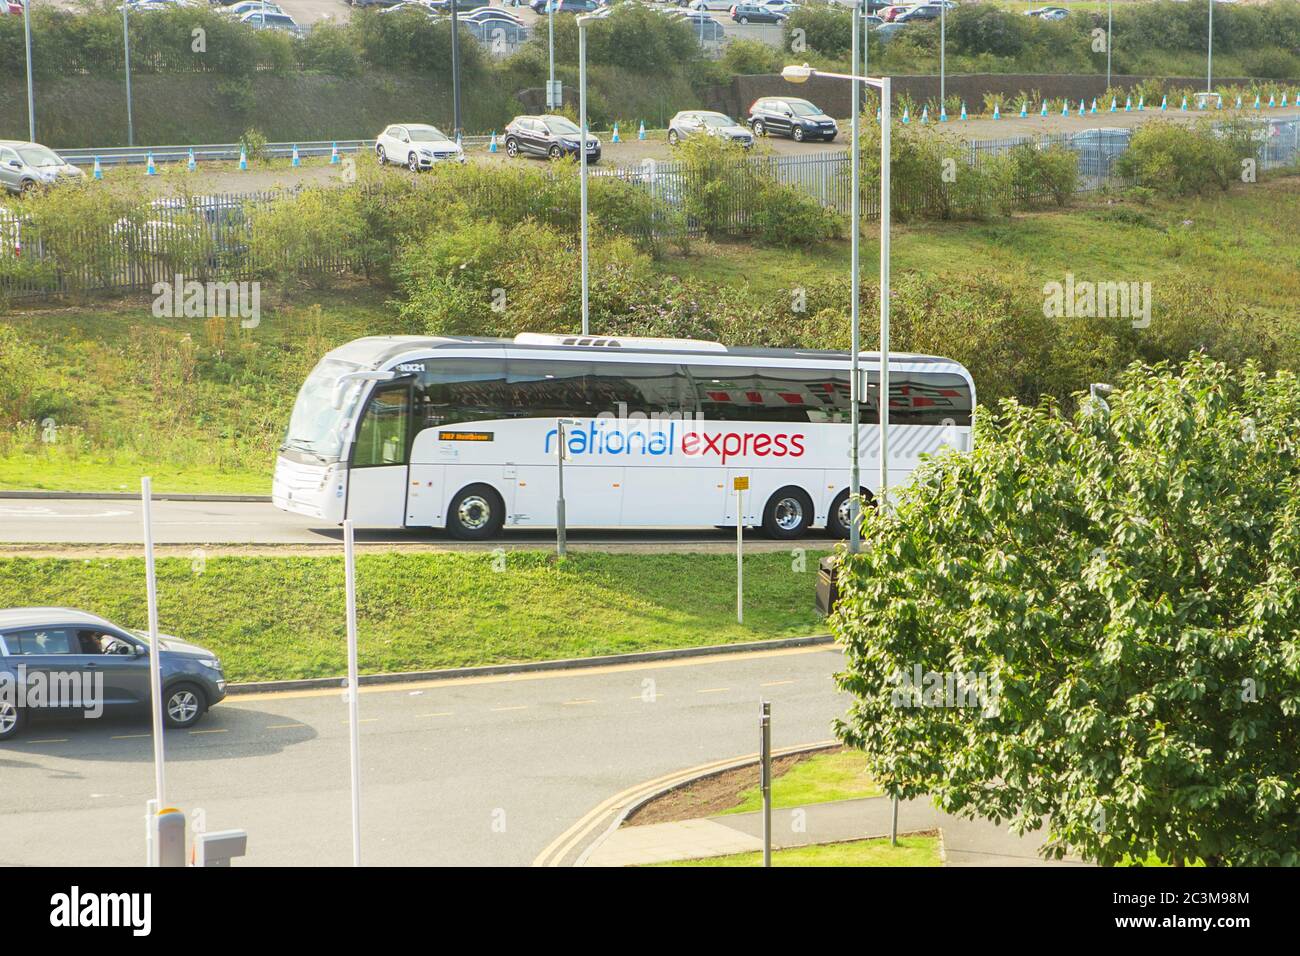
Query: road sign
(740, 483)
(554, 94)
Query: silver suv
(61, 661)
(25, 167)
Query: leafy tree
(1126, 581)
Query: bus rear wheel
(476, 513)
(837, 522)
(788, 514)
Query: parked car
(553, 136)
(237, 10)
(1048, 13)
(418, 6)
(781, 6)
(689, 122)
(26, 167)
(494, 30)
(747, 13)
(705, 28)
(711, 4)
(374, 3)
(416, 146)
(94, 662)
(577, 6)
(888, 14)
(920, 13)
(10, 7)
(272, 21)
(491, 13)
(787, 116)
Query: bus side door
(377, 474)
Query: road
(483, 771)
(78, 522)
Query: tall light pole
(582, 160)
(126, 56)
(800, 74)
(1110, 20)
(943, 66)
(31, 97)
(455, 69)
(552, 101)
(855, 267)
(1209, 54)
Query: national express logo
(601, 437)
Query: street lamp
(1209, 57)
(455, 70)
(1110, 20)
(943, 45)
(31, 98)
(800, 74)
(552, 101)
(126, 57)
(582, 159)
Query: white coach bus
(461, 433)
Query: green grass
(911, 851)
(819, 779)
(276, 618)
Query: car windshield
(425, 134)
(316, 426)
(716, 120)
(39, 156)
(562, 126)
(804, 109)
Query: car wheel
(744, 21)
(512, 147)
(797, 133)
(11, 719)
(837, 522)
(556, 152)
(758, 128)
(27, 188)
(381, 155)
(413, 163)
(788, 514)
(673, 138)
(476, 514)
(183, 705)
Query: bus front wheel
(476, 513)
(837, 522)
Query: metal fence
(207, 237)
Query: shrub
(1176, 160)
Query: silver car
(25, 167)
(689, 122)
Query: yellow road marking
(775, 683)
(499, 709)
(575, 703)
(361, 720)
(713, 690)
(130, 737)
(50, 740)
(218, 730)
(283, 726)
(445, 713)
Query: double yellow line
(586, 828)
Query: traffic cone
(943, 113)
(190, 164)
(1142, 103)
(1094, 106)
(614, 138)
(1283, 103)
(1164, 104)
(1256, 101)
(963, 110)
(1128, 105)
(640, 133)
(1024, 108)
(1044, 111)
(492, 145)
(1113, 104)
(243, 159)
(906, 118)
(149, 168)
(334, 154)
(1065, 108)
(99, 172)
(1184, 106)
(1272, 101)
(997, 114)
(297, 160)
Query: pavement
(964, 842)
(479, 771)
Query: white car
(272, 21)
(416, 146)
(237, 10)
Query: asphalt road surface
(483, 771)
(82, 522)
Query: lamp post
(1110, 20)
(455, 70)
(582, 160)
(800, 74)
(31, 97)
(943, 65)
(552, 102)
(1209, 55)
(126, 57)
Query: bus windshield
(316, 426)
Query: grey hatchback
(28, 166)
(59, 661)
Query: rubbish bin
(828, 591)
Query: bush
(20, 363)
(782, 215)
(1176, 160)
(1052, 172)
(750, 57)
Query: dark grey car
(58, 661)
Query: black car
(746, 13)
(786, 116)
(553, 136)
(926, 11)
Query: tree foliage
(1127, 582)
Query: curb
(130, 496)
(490, 670)
(640, 802)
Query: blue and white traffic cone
(149, 168)
(906, 118)
(1256, 101)
(963, 109)
(1093, 109)
(1128, 105)
(492, 144)
(997, 114)
(1043, 112)
(334, 154)
(640, 133)
(99, 172)
(297, 160)
(1065, 108)
(943, 113)
(1272, 101)
(925, 114)
(1142, 104)
(243, 159)
(1184, 106)
(1164, 104)
(1283, 103)
(614, 138)
(1024, 110)
(1113, 104)
(190, 164)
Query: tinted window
(57, 640)
(547, 389)
(461, 390)
(740, 393)
(929, 398)
(382, 436)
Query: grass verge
(281, 618)
(911, 851)
(822, 778)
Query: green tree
(1125, 580)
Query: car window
(561, 127)
(802, 108)
(57, 640)
(7, 155)
(39, 156)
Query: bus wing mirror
(341, 386)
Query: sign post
(561, 532)
(740, 483)
(765, 774)
(350, 577)
(155, 663)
